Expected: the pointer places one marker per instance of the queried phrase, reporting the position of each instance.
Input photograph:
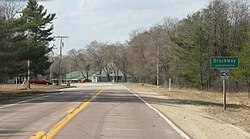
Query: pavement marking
(24, 101)
(38, 135)
(14, 104)
(70, 110)
(53, 131)
(177, 129)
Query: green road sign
(224, 62)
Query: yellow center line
(70, 110)
(38, 135)
(53, 131)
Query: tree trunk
(100, 77)
(117, 75)
(248, 88)
(125, 77)
(201, 80)
(179, 82)
(108, 76)
(237, 86)
(208, 84)
(87, 76)
(83, 74)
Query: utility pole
(28, 62)
(60, 57)
(158, 60)
(28, 78)
(157, 66)
(51, 60)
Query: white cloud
(112, 20)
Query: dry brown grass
(13, 88)
(239, 100)
(237, 113)
(9, 91)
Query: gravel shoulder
(200, 114)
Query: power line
(60, 56)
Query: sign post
(224, 94)
(224, 63)
(169, 84)
(224, 76)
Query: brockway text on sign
(224, 62)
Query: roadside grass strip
(53, 131)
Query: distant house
(112, 77)
(11, 80)
(75, 76)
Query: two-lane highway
(91, 111)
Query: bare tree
(65, 66)
(81, 60)
(141, 56)
(9, 9)
(97, 55)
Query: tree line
(25, 34)
(181, 49)
(177, 49)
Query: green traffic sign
(224, 62)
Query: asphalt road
(90, 111)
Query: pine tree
(38, 30)
(243, 72)
(12, 43)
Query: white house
(113, 77)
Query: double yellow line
(53, 131)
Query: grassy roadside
(237, 113)
(9, 92)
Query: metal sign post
(224, 94)
(224, 76)
(224, 63)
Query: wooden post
(169, 84)
(17, 88)
(224, 95)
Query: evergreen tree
(191, 57)
(243, 72)
(38, 30)
(12, 43)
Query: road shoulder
(193, 119)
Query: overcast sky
(112, 20)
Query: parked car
(84, 80)
(41, 82)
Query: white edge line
(177, 129)
(24, 101)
